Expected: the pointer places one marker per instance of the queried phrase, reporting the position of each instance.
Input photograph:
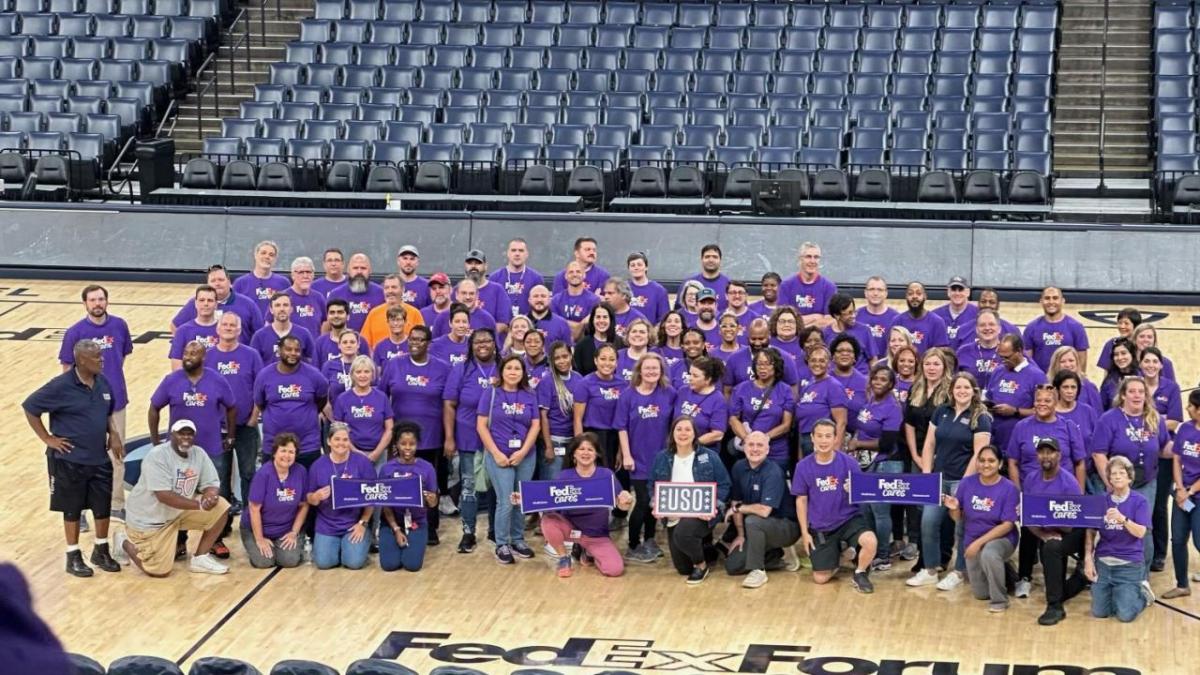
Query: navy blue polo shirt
(77, 413)
(763, 485)
(954, 442)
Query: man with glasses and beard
(489, 296)
(360, 293)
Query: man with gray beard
(359, 292)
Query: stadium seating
(906, 88)
(1177, 155)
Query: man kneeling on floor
(164, 502)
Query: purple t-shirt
(536, 372)
(1090, 394)
(739, 368)
(239, 368)
(1187, 449)
(112, 336)
(876, 417)
(901, 390)
(324, 285)
(192, 331)
(600, 400)
(624, 319)
(672, 354)
(590, 522)
(204, 403)
(1120, 434)
(825, 485)
(710, 411)
(1022, 444)
(1083, 416)
(430, 313)
(1167, 400)
(877, 325)
(365, 414)
(246, 309)
(479, 318)
(330, 522)
(593, 279)
(1063, 483)
(927, 331)
(416, 293)
(958, 328)
(651, 300)
(719, 285)
(494, 301)
(308, 310)
(327, 349)
(816, 400)
(625, 364)
(979, 361)
(466, 384)
(337, 374)
(855, 387)
(647, 420)
(512, 413)
(562, 423)
(516, 285)
(763, 410)
(446, 349)
(416, 393)
(280, 499)
(361, 304)
(1115, 539)
(807, 297)
(394, 468)
(574, 307)
(554, 329)
(1015, 388)
(986, 506)
(266, 343)
(386, 350)
(288, 402)
(861, 335)
(1042, 338)
(260, 290)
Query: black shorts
(75, 488)
(827, 550)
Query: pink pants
(556, 529)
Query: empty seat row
(101, 25)
(175, 50)
(201, 8)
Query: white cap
(180, 425)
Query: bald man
(762, 513)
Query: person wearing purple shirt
(227, 301)
(959, 314)
(387, 350)
(618, 294)
(367, 411)
(478, 317)
(416, 290)
(807, 290)
(596, 403)
(1165, 396)
(1009, 392)
(845, 322)
(557, 391)
(1114, 555)
(877, 425)
(703, 401)
(361, 296)
(516, 278)
(333, 264)
(1185, 471)
(201, 395)
(574, 301)
(1072, 409)
(988, 506)
(927, 329)
(289, 396)
(823, 397)
(710, 275)
(587, 527)
(1045, 424)
(266, 340)
(552, 327)
(261, 283)
(508, 424)
(403, 542)
(439, 298)
(272, 527)
(593, 275)
(466, 385)
(328, 347)
(192, 332)
(239, 365)
(739, 367)
(1054, 329)
(111, 334)
(649, 296)
(876, 316)
(643, 418)
(341, 534)
(978, 356)
(764, 403)
(308, 306)
(828, 520)
(847, 356)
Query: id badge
(560, 451)
(408, 521)
(514, 444)
(576, 535)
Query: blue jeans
(329, 551)
(548, 469)
(510, 523)
(1118, 591)
(935, 526)
(1150, 492)
(1181, 524)
(468, 502)
(247, 446)
(223, 463)
(882, 513)
(393, 557)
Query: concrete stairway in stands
(1127, 89)
(198, 119)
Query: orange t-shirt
(375, 328)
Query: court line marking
(1177, 609)
(228, 615)
(15, 306)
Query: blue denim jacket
(707, 468)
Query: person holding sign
(764, 404)
(508, 425)
(684, 461)
(402, 543)
(1185, 520)
(958, 431)
(642, 420)
(827, 518)
(1115, 556)
(588, 528)
(878, 432)
(1054, 545)
(273, 521)
(1022, 452)
(987, 504)
(341, 534)
(760, 512)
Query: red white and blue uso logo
(646, 655)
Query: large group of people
(479, 386)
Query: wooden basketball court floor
(646, 621)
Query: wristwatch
(363, 523)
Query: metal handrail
(128, 181)
(243, 40)
(202, 87)
(1103, 97)
(262, 18)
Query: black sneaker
(434, 540)
(1052, 615)
(181, 551)
(862, 583)
(1158, 565)
(491, 536)
(103, 559)
(75, 565)
(467, 543)
(698, 575)
(235, 509)
(522, 551)
(504, 555)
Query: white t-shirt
(681, 472)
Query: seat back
(199, 174)
(239, 175)
(981, 187)
(537, 180)
(937, 186)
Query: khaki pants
(156, 548)
(118, 492)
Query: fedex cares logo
(828, 484)
(982, 504)
(104, 341)
(610, 393)
(648, 412)
(1052, 338)
(515, 409)
(360, 307)
(228, 367)
(195, 399)
(416, 380)
(289, 391)
(362, 412)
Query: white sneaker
(1147, 593)
(755, 579)
(206, 564)
(1196, 577)
(552, 553)
(950, 582)
(1024, 586)
(922, 578)
(118, 547)
(446, 506)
